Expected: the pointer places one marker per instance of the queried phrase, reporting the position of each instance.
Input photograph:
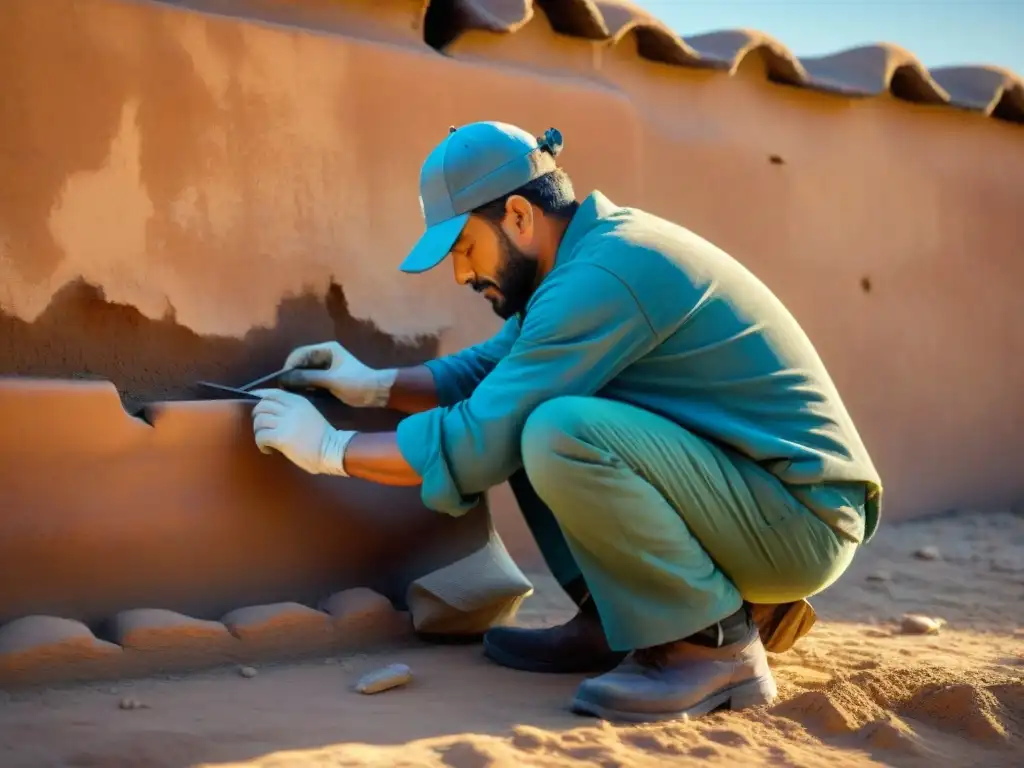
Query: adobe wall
(187, 195)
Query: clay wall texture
(189, 189)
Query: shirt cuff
(446, 384)
(420, 439)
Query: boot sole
(440, 638)
(752, 693)
(504, 659)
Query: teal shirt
(641, 310)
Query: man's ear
(520, 217)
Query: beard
(515, 281)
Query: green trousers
(670, 532)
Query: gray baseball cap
(474, 165)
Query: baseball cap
(474, 165)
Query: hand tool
(243, 392)
(240, 393)
(265, 379)
(275, 374)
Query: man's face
(495, 258)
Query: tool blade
(239, 393)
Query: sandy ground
(857, 691)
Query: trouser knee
(553, 437)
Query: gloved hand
(344, 376)
(289, 423)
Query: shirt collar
(592, 210)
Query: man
(673, 439)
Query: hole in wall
(865, 284)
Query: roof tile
(868, 70)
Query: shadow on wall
(81, 335)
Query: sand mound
(855, 692)
(897, 707)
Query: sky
(939, 32)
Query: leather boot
(577, 646)
(679, 679)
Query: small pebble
(384, 679)
(927, 553)
(879, 576)
(915, 624)
(247, 671)
(129, 702)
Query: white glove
(289, 423)
(345, 376)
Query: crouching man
(674, 441)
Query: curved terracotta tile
(445, 21)
(730, 47)
(984, 89)
(873, 69)
(654, 41)
(863, 71)
(1010, 106)
(494, 15)
(579, 18)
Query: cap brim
(434, 245)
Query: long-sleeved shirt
(641, 310)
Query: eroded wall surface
(187, 190)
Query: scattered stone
(130, 702)
(391, 676)
(247, 671)
(879, 576)
(927, 553)
(916, 624)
